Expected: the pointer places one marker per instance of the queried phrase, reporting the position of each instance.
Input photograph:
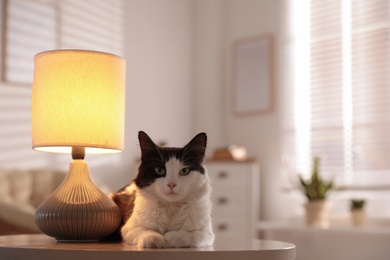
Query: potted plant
(316, 189)
(358, 214)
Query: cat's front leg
(182, 238)
(143, 237)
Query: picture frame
(253, 75)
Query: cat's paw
(177, 239)
(151, 240)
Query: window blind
(33, 26)
(92, 24)
(30, 28)
(335, 89)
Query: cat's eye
(160, 171)
(184, 172)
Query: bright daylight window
(335, 87)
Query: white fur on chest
(163, 217)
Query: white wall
(209, 74)
(260, 134)
(158, 51)
(219, 24)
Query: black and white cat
(168, 203)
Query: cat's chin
(172, 197)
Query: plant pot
(317, 213)
(358, 217)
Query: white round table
(39, 246)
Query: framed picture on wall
(252, 75)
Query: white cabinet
(236, 200)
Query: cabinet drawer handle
(223, 175)
(222, 227)
(222, 200)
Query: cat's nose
(171, 185)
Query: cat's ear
(197, 145)
(148, 147)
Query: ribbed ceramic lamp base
(78, 211)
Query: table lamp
(78, 102)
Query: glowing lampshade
(78, 100)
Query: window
(335, 85)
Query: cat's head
(172, 174)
